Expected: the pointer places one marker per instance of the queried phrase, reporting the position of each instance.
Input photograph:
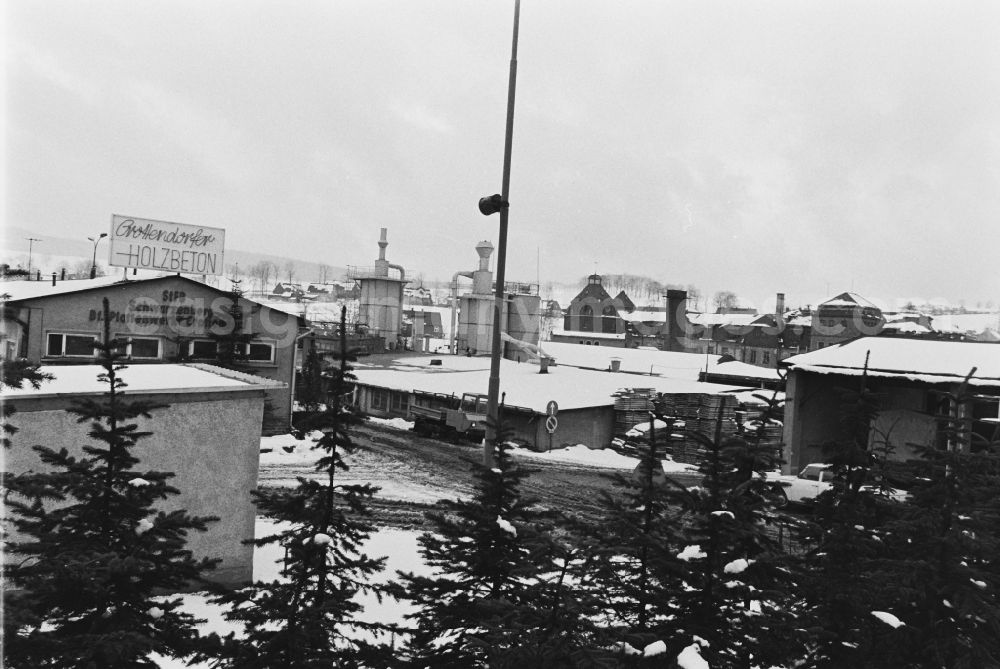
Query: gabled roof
(27, 290)
(20, 291)
(625, 301)
(925, 360)
(849, 300)
(593, 291)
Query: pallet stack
(700, 413)
(697, 411)
(632, 406)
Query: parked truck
(459, 419)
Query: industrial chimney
(677, 321)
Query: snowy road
(414, 472)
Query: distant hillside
(50, 252)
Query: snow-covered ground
(273, 452)
(398, 546)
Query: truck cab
(470, 416)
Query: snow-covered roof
(722, 319)
(24, 290)
(743, 369)
(849, 300)
(314, 311)
(965, 322)
(643, 361)
(926, 360)
(670, 364)
(79, 380)
(559, 332)
(644, 316)
(571, 387)
(907, 327)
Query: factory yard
(414, 472)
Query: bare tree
(324, 272)
(290, 270)
(694, 295)
(724, 301)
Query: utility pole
(31, 241)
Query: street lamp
(93, 262)
(491, 205)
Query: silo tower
(381, 301)
(518, 319)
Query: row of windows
(382, 400)
(66, 345)
(765, 357)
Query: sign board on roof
(169, 247)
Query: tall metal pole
(31, 241)
(492, 404)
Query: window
(753, 357)
(70, 345)
(143, 348)
(207, 349)
(260, 351)
(767, 359)
(380, 398)
(202, 349)
(399, 402)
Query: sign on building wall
(167, 247)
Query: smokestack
(779, 305)
(485, 250)
(382, 243)
(676, 317)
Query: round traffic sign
(552, 408)
(551, 423)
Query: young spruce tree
(500, 594)
(95, 552)
(839, 575)
(308, 617)
(734, 588)
(637, 536)
(943, 552)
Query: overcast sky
(804, 147)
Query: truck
(459, 419)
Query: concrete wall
(592, 427)
(173, 310)
(211, 441)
